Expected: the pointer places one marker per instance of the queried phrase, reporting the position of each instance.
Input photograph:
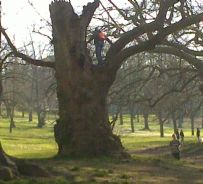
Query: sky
(18, 16)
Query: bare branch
(25, 57)
(198, 64)
(112, 18)
(151, 43)
(42, 34)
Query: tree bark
(83, 128)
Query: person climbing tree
(99, 37)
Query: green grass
(27, 141)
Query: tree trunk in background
(30, 116)
(121, 116)
(138, 118)
(174, 121)
(23, 114)
(132, 123)
(146, 122)
(192, 120)
(161, 124)
(83, 128)
(180, 122)
(181, 118)
(41, 118)
(11, 116)
(132, 115)
(202, 118)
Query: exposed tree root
(11, 168)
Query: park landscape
(76, 111)
(150, 161)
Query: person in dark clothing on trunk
(99, 37)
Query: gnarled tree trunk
(83, 128)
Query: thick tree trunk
(83, 128)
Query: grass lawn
(151, 161)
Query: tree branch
(25, 57)
(155, 25)
(198, 64)
(150, 44)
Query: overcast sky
(18, 15)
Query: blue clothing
(99, 47)
(99, 44)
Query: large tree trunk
(83, 128)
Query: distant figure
(181, 136)
(177, 134)
(99, 37)
(199, 139)
(175, 147)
